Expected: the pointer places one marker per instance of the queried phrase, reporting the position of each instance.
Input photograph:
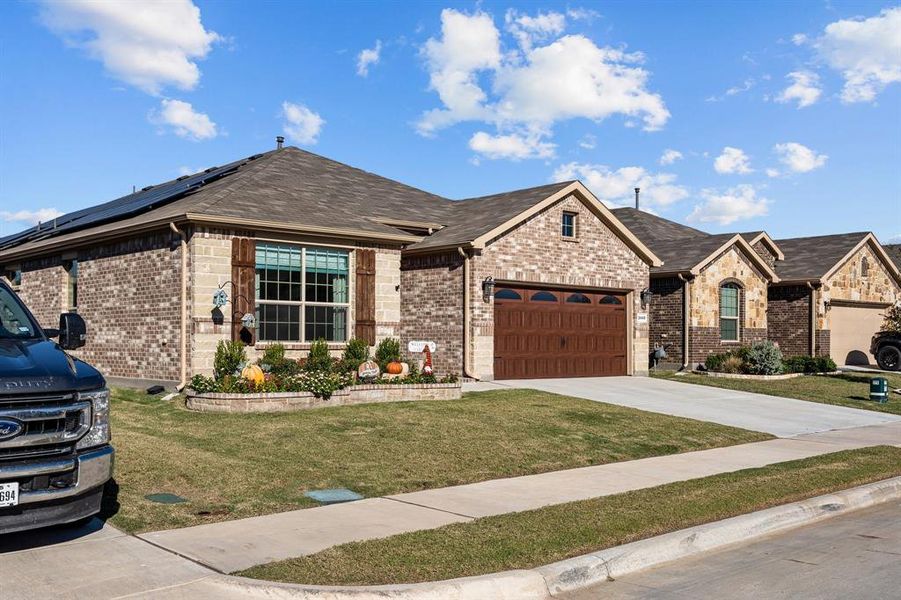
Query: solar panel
(152, 196)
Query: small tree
(387, 351)
(892, 320)
(764, 358)
(319, 359)
(356, 353)
(229, 358)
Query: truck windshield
(14, 320)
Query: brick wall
(665, 315)
(431, 293)
(43, 289)
(788, 318)
(706, 340)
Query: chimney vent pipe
(637, 190)
(279, 142)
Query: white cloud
(527, 30)
(805, 89)
(745, 86)
(773, 172)
(184, 120)
(799, 158)
(733, 204)
(866, 51)
(732, 160)
(30, 217)
(301, 124)
(144, 43)
(513, 146)
(799, 39)
(618, 187)
(588, 141)
(530, 88)
(582, 14)
(670, 156)
(368, 57)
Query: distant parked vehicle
(886, 347)
(55, 455)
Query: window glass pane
(543, 297)
(278, 272)
(278, 322)
(72, 285)
(326, 322)
(610, 300)
(569, 225)
(729, 329)
(728, 301)
(327, 275)
(579, 299)
(507, 295)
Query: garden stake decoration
(427, 365)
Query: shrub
(319, 358)
(764, 358)
(732, 364)
(275, 362)
(825, 364)
(714, 362)
(808, 364)
(387, 351)
(892, 320)
(230, 357)
(355, 354)
(203, 384)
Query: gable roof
(684, 249)
(818, 257)
(762, 236)
(894, 253)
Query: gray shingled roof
(810, 258)
(297, 188)
(894, 252)
(648, 227)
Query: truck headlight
(99, 432)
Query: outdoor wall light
(646, 295)
(488, 288)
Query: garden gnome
(427, 365)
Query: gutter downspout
(813, 319)
(686, 318)
(184, 305)
(467, 372)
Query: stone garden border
(291, 401)
(761, 377)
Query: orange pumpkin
(395, 368)
(253, 374)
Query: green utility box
(879, 390)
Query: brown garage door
(557, 333)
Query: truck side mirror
(72, 331)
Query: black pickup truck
(886, 347)
(55, 455)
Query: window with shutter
(244, 290)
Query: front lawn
(529, 539)
(847, 389)
(230, 466)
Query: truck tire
(889, 358)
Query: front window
(569, 225)
(729, 302)
(14, 320)
(72, 284)
(302, 293)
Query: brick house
(538, 282)
(848, 278)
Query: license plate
(9, 494)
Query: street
(853, 556)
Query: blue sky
(730, 116)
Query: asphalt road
(853, 556)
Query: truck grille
(50, 425)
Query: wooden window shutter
(365, 300)
(244, 264)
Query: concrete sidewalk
(776, 415)
(236, 545)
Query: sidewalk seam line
(158, 589)
(450, 512)
(180, 555)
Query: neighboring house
(849, 279)
(533, 283)
(709, 295)
(733, 299)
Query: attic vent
(210, 169)
(149, 187)
(182, 177)
(254, 157)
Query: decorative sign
(419, 346)
(641, 317)
(368, 370)
(220, 298)
(249, 321)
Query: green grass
(847, 389)
(230, 465)
(538, 537)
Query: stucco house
(734, 289)
(538, 282)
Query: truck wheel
(889, 358)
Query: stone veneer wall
(535, 252)
(704, 331)
(765, 253)
(431, 289)
(848, 284)
(129, 297)
(210, 267)
(788, 319)
(665, 315)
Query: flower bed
(290, 401)
(764, 361)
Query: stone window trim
(732, 283)
(569, 226)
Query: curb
(590, 569)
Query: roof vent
(279, 142)
(637, 191)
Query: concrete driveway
(782, 417)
